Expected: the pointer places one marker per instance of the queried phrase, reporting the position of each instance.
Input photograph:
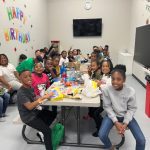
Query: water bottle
(63, 72)
(72, 74)
(62, 69)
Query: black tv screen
(142, 45)
(87, 27)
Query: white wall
(115, 16)
(36, 12)
(139, 15)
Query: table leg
(78, 125)
(63, 120)
(78, 143)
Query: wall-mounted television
(87, 27)
(142, 45)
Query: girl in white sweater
(120, 104)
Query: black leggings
(42, 123)
(97, 117)
(95, 113)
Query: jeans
(107, 124)
(4, 101)
(42, 123)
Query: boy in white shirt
(63, 59)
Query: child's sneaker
(95, 134)
(40, 136)
(112, 148)
(87, 117)
(2, 119)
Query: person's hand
(124, 127)
(98, 83)
(51, 68)
(119, 127)
(48, 95)
(10, 88)
(103, 82)
(89, 68)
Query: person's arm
(16, 75)
(49, 51)
(107, 53)
(48, 82)
(60, 62)
(70, 48)
(107, 105)
(98, 75)
(57, 71)
(71, 59)
(131, 108)
(89, 70)
(53, 72)
(32, 105)
(107, 83)
(13, 70)
(8, 86)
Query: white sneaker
(41, 136)
(2, 119)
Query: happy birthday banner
(16, 13)
(4, 0)
(15, 34)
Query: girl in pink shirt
(40, 81)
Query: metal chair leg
(27, 139)
(121, 143)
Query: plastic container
(71, 76)
(63, 72)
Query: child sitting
(40, 81)
(95, 74)
(70, 56)
(120, 104)
(94, 56)
(4, 101)
(75, 54)
(94, 71)
(106, 51)
(63, 59)
(56, 68)
(106, 68)
(49, 70)
(27, 104)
